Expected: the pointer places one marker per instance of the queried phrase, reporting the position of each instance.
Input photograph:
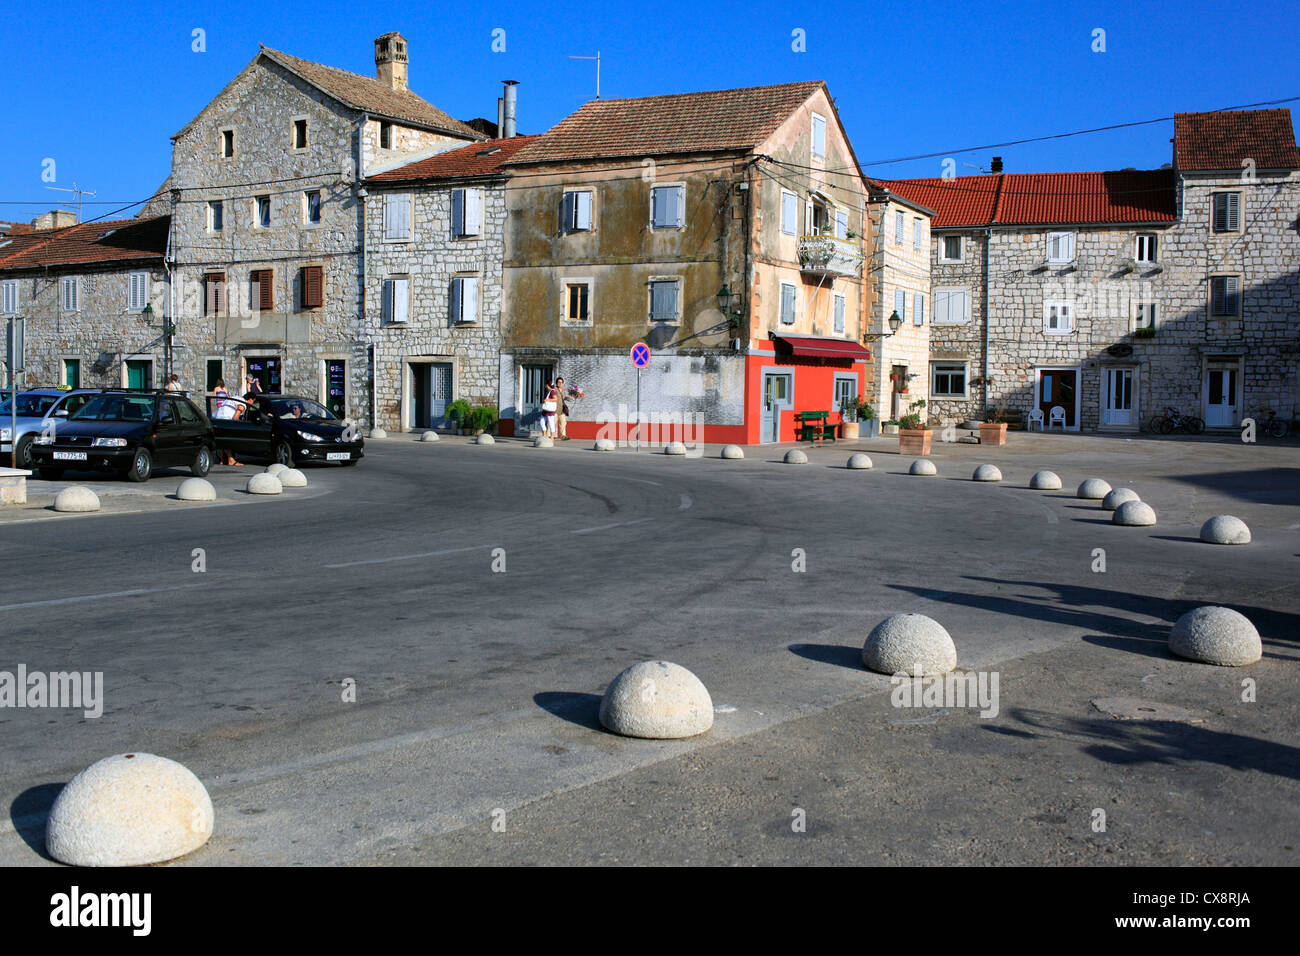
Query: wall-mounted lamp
(894, 323)
(725, 300)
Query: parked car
(37, 409)
(129, 431)
(285, 428)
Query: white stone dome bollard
(292, 478)
(732, 451)
(196, 489)
(76, 498)
(605, 444)
(276, 469)
(543, 441)
(1134, 514)
(923, 466)
(909, 643)
(674, 448)
(378, 433)
(264, 484)
(1216, 635)
(1093, 489)
(129, 810)
(485, 439)
(1045, 481)
(796, 456)
(1117, 497)
(859, 461)
(1225, 529)
(656, 699)
(430, 435)
(987, 473)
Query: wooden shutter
(469, 300)
(401, 299)
(900, 303)
(789, 213)
(458, 212)
(473, 212)
(312, 283)
(657, 206)
(214, 293)
(839, 313)
(568, 212)
(787, 304)
(898, 228)
(261, 280)
(397, 216)
(918, 309)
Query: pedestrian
(254, 386)
(226, 409)
(174, 383)
(562, 416)
(549, 407)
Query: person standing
(562, 415)
(549, 406)
(174, 383)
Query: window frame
(900, 304)
(293, 133)
(900, 226)
(307, 220)
(221, 142)
(215, 280)
(1236, 295)
(794, 213)
(216, 211)
(460, 208)
(813, 122)
(1064, 308)
(948, 291)
(410, 205)
(568, 220)
(388, 299)
(948, 369)
(304, 301)
(1230, 226)
(134, 304)
(917, 234)
(265, 290)
(839, 312)
(1151, 240)
(73, 283)
(794, 304)
(1060, 260)
(568, 282)
(943, 249)
(918, 309)
(651, 282)
(1152, 314)
(456, 299)
(681, 218)
(385, 134)
(8, 291)
(257, 211)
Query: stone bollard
(658, 700)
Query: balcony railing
(828, 255)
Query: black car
(128, 431)
(285, 428)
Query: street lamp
(168, 330)
(894, 323)
(725, 297)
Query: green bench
(814, 426)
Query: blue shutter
(568, 219)
(918, 309)
(787, 304)
(458, 212)
(900, 303)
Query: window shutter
(469, 305)
(787, 304)
(679, 205)
(473, 212)
(1233, 212)
(401, 299)
(916, 234)
(839, 313)
(397, 209)
(457, 299)
(569, 212)
(842, 225)
(809, 219)
(312, 292)
(789, 213)
(918, 309)
(458, 212)
(386, 313)
(898, 228)
(659, 206)
(584, 210)
(262, 279)
(900, 303)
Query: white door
(1221, 398)
(1117, 396)
(776, 396)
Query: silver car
(39, 409)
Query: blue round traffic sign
(640, 355)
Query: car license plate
(338, 456)
(70, 456)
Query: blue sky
(908, 78)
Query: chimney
(390, 61)
(501, 117)
(510, 109)
(997, 165)
(55, 219)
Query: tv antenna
(79, 193)
(973, 166)
(597, 59)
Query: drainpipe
(988, 243)
(361, 197)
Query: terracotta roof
(713, 121)
(16, 228)
(476, 159)
(368, 94)
(1044, 199)
(88, 242)
(1227, 139)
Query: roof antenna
(79, 193)
(597, 59)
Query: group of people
(555, 410)
(232, 409)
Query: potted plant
(867, 416)
(994, 431)
(458, 412)
(1146, 332)
(482, 419)
(913, 437)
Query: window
(900, 304)
(950, 251)
(916, 234)
(818, 137)
(311, 207)
(841, 224)
(1060, 247)
(846, 392)
(667, 206)
(1058, 317)
(918, 309)
(839, 314)
(216, 216)
(787, 303)
(311, 282)
(397, 299)
(1227, 212)
(261, 290)
(576, 211)
(789, 213)
(665, 300)
(9, 296)
(1144, 315)
(397, 216)
(215, 373)
(262, 216)
(137, 290)
(385, 135)
(951, 306)
(227, 144)
(214, 293)
(948, 380)
(577, 301)
(1144, 247)
(899, 223)
(466, 212)
(71, 376)
(300, 134)
(71, 294)
(188, 415)
(1225, 296)
(464, 299)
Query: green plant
(911, 421)
(459, 411)
(998, 415)
(865, 411)
(483, 417)
(1147, 332)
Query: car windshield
(117, 408)
(30, 406)
(301, 408)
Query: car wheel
(284, 454)
(202, 463)
(51, 474)
(141, 466)
(24, 449)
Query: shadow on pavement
(850, 657)
(576, 708)
(1265, 486)
(29, 812)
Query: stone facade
(900, 366)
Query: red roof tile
(87, 243)
(1226, 139)
(476, 159)
(16, 228)
(712, 121)
(1044, 199)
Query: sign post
(640, 358)
(14, 348)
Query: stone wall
(959, 342)
(895, 267)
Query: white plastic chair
(1035, 418)
(1057, 417)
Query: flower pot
(914, 441)
(849, 430)
(869, 428)
(993, 434)
(891, 429)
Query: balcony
(829, 256)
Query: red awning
(813, 346)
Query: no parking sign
(640, 355)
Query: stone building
(721, 229)
(81, 291)
(435, 242)
(267, 221)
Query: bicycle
(1273, 426)
(1174, 420)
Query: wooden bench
(814, 426)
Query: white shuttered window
(464, 299)
(397, 216)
